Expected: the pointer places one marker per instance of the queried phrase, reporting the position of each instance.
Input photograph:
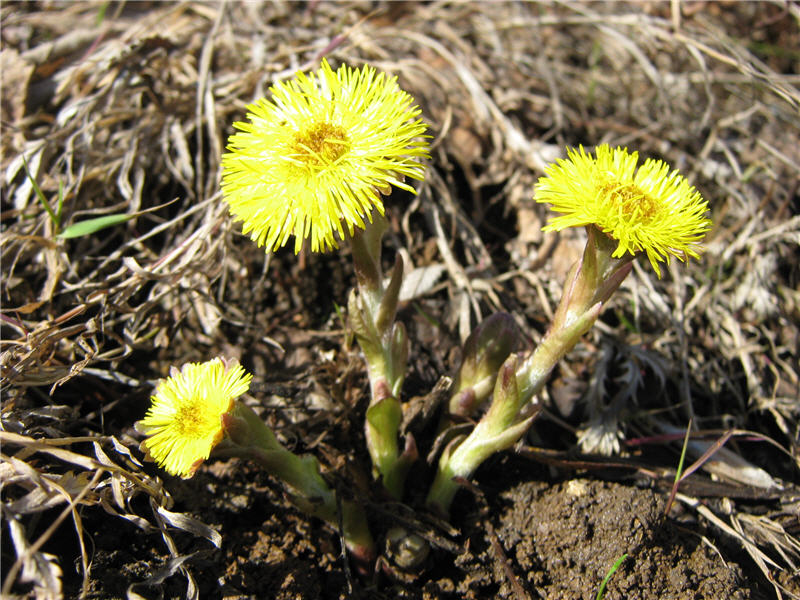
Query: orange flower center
(194, 420)
(630, 202)
(320, 145)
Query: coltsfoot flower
(184, 422)
(313, 161)
(646, 209)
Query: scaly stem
(384, 342)
(498, 429)
(591, 282)
(250, 438)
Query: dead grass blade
(102, 481)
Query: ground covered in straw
(124, 108)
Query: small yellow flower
(184, 423)
(313, 160)
(650, 209)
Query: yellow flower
(184, 423)
(313, 160)
(650, 209)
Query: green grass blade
(101, 14)
(602, 591)
(91, 226)
(679, 472)
(60, 201)
(56, 218)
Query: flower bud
(500, 428)
(486, 348)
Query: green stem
(499, 429)
(384, 343)
(591, 282)
(250, 438)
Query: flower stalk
(384, 342)
(499, 429)
(249, 438)
(591, 282)
(627, 211)
(195, 412)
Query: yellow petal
(183, 423)
(646, 209)
(314, 159)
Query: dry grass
(129, 108)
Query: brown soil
(565, 538)
(539, 540)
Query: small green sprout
(55, 216)
(602, 591)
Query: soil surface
(536, 539)
(564, 539)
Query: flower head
(184, 423)
(650, 209)
(314, 159)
